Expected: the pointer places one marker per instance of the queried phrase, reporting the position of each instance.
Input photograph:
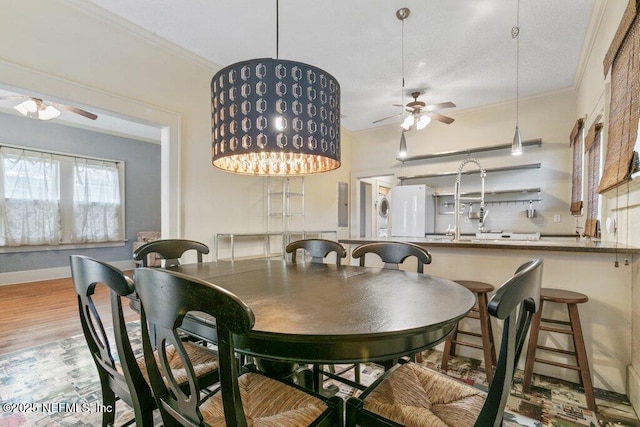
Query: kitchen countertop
(544, 244)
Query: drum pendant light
(275, 117)
(516, 145)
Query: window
(575, 140)
(96, 202)
(51, 199)
(592, 147)
(623, 58)
(31, 200)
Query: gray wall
(142, 183)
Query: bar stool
(571, 299)
(479, 312)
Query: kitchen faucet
(482, 214)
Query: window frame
(66, 201)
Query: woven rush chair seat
(413, 395)
(276, 404)
(204, 361)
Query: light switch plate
(556, 218)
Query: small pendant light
(516, 145)
(402, 153)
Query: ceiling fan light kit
(423, 122)
(26, 107)
(273, 117)
(36, 109)
(408, 122)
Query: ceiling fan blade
(13, 97)
(441, 118)
(78, 111)
(387, 118)
(440, 106)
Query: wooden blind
(576, 174)
(592, 144)
(624, 111)
(625, 23)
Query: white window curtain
(29, 198)
(97, 215)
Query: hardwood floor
(40, 312)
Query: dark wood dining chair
(411, 393)
(247, 399)
(170, 250)
(393, 254)
(317, 248)
(125, 376)
(125, 381)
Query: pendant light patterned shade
(275, 117)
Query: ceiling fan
(421, 113)
(36, 108)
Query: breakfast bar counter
(604, 271)
(563, 244)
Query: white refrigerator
(412, 211)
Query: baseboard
(28, 276)
(633, 388)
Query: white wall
(90, 57)
(549, 117)
(623, 203)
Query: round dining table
(322, 313)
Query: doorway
(374, 207)
(27, 81)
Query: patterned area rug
(56, 384)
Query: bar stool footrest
(556, 350)
(557, 330)
(470, 333)
(556, 321)
(558, 364)
(468, 344)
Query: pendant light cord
(402, 63)
(277, 29)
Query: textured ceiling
(455, 50)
